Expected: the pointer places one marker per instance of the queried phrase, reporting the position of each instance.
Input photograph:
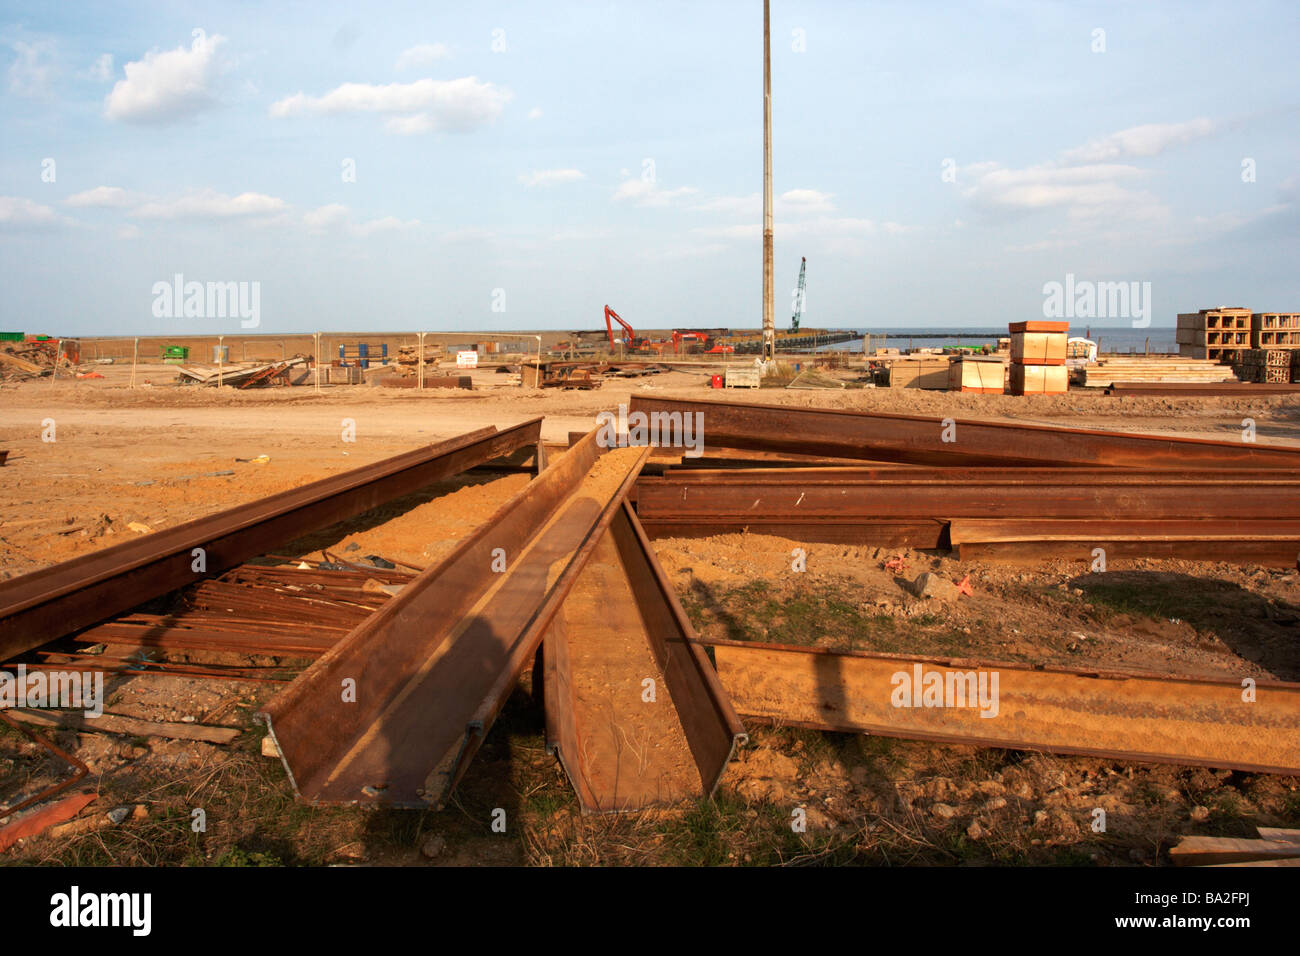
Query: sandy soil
(159, 455)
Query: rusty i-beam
(1199, 721)
(937, 441)
(54, 601)
(634, 710)
(394, 712)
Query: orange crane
(629, 335)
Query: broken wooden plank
(130, 726)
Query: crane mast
(799, 297)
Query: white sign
(467, 360)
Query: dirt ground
(152, 457)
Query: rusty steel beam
(806, 495)
(910, 438)
(1201, 389)
(1267, 542)
(394, 712)
(63, 598)
(722, 473)
(825, 529)
(625, 746)
(1195, 721)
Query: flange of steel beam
(394, 712)
(631, 744)
(1210, 722)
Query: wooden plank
(131, 726)
(1209, 851)
(1279, 834)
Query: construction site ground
(156, 456)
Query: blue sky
(546, 159)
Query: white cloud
(16, 212)
(751, 205)
(1148, 140)
(386, 224)
(129, 231)
(101, 197)
(1081, 191)
(551, 177)
(467, 234)
(30, 74)
(102, 68)
(792, 203)
(535, 113)
(335, 217)
(208, 204)
(426, 105)
(823, 227)
(805, 200)
(422, 54)
(1045, 245)
(168, 86)
(325, 217)
(644, 192)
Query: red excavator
(629, 334)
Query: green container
(12, 336)
(181, 352)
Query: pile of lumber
(1275, 847)
(240, 376)
(26, 360)
(1151, 368)
(919, 371)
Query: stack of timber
(971, 374)
(1219, 335)
(1038, 358)
(919, 371)
(1151, 369)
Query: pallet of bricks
(1038, 358)
(1275, 348)
(1221, 335)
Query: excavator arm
(629, 336)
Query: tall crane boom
(799, 297)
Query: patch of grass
(236, 856)
(756, 612)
